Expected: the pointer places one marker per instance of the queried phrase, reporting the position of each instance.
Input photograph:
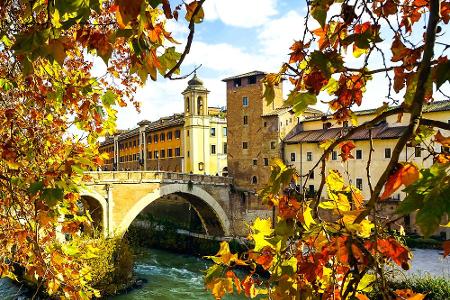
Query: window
(155, 138)
(162, 136)
(266, 161)
(255, 162)
(245, 120)
(149, 139)
(387, 152)
(359, 154)
(334, 155)
(359, 185)
(345, 124)
(213, 149)
(213, 131)
(134, 156)
(254, 180)
(134, 143)
(177, 152)
(292, 156)
(163, 153)
(244, 145)
(177, 134)
(169, 136)
(287, 122)
(187, 133)
(326, 125)
(188, 154)
(149, 155)
(265, 124)
(224, 131)
(272, 145)
(417, 151)
(252, 80)
(309, 156)
(237, 82)
(245, 101)
(311, 188)
(225, 148)
(155, 154)
(169, 152)
(311, 174)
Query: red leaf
(346, 148)
(446, 246)
(392, 249)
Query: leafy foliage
(337, 247)
(52, 112)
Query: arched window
(199, 105)
(254, 180)
(225, 171)
(187, 104)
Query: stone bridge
(115, 199)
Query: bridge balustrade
(153, 176)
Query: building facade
(256, 129)
(194, 141)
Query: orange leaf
(362, 297)
(408, 294)
(407, 174)
(446, 246)
(392, 249)
(445, 141)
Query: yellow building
(194, 141)
(302, 150)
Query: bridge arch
(207, 200)
(103, 204)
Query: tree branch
(416, 107)
(189, 41)
(434, 123)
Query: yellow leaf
(307, 216)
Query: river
(174, 276)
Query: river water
(174, 276)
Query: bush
(423, 243)
(111, 268)
(437, 288)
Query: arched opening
(213, 218)
(225, 171)
(254, 180)
(200, 105)
(94, 208)
(187, 104)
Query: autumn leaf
(392, 249)
(406, 174)
(445, 141)
(346, 148)
(408, 294)
(190, 10)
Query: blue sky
(237, 36)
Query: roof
(284, 109)
(382, 131)
(162, 123)
(252, 73)
(435, 106)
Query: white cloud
(240, 13)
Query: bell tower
(196, 127)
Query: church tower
(196, 127)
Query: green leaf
(269, 93)
(52, 196)
(35, 187)
(109, 98)
(301, 101)
(429, 197)
(319, 9)
(442, 73)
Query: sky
(237, 36)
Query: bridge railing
(154, 176)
